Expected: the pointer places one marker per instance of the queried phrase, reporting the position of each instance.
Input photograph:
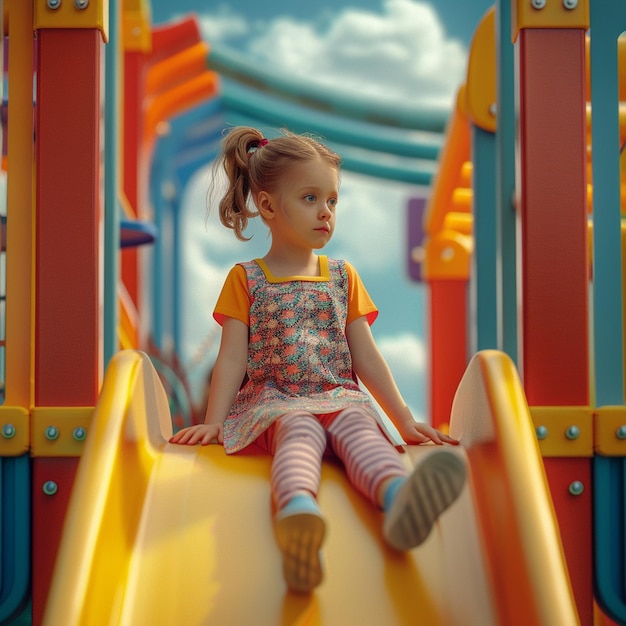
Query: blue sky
(400, 50)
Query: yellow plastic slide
(158, 534)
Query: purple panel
(415, 237)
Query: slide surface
(164, 534)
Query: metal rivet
(570, 4)
(576, 488)
(8, 431)
(542, 432)
(493, 109)
(620, 433)
(52, 433)
(573, 432)
(79, 433)
(50, 487)
(81, 4)
(53, 4)
(447, 254)
(538, 4)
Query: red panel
(134, 68)
(171, 38)
(448, 349)
(554, 264)
(67, 324)
(48, 517)
(574, 514)
(133, 124)
(67, 281)
(554, 217)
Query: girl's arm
(372, 369)
(228, 373)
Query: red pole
(68, 329)
(555, 333)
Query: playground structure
(149, 524)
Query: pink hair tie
(262, 142)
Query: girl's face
(304, 206)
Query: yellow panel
(448, 255)
(19, 324)
(513, 502)
(481, 75)
(610, 430)
(14, 431)
(623, 238)
(466, 174)
(568, 430)
(454, 154)
(554, 14)
(59, 431)
(193, 536)
(462, 200)
(459, 222)
(67, 14)
(136, 25)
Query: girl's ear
(264, 204)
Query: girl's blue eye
(332, 203)
(309, 197)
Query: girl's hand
(203, 434)
(418, 432)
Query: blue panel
(608, 20)
(505, 180)
(484, 277)
(15, 554)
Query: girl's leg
(298, 446)
(369, 458)
(412, 505)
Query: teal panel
(609, 535)
(14, 536)
(485, 293)
(608, 20)
(505, 180)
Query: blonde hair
(253, 164)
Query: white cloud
(223, 24)
(370, 218)
(405, 353)
(406, 356)
(400, 53)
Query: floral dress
(298, 355)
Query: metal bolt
(53, 4)
(573, 432)
(570, 4)
(542, 432)
(493, 109)
(8, 431)
(52, 433)
(620, 433)
(81, 4)
(50, 487)
(538, 4)
(79, 433)
(447, 254)
(576, 488)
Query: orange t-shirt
(234, 299)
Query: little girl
(296, 326)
